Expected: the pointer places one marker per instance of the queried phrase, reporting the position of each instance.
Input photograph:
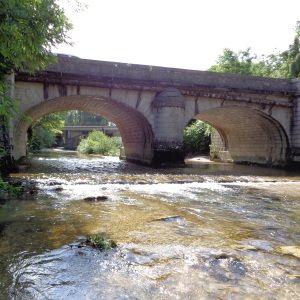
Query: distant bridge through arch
(71, 134)
(257, 118)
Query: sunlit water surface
(206, 231)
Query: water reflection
(210, 231)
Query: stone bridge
(258, 119)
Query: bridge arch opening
(78, 125)
(134, 128)
(247, 135)
(196, 138)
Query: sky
(187, 34)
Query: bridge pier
(168, 108)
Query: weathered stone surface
(290, 250)
(169, 97)
(257, 118)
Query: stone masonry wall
(296, 123)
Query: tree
(196, 137)
(43, 132)
(245, 63)
(234, 63)
(75, 117)
(28, 30)
(284, 64)
(291, 57)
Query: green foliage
(28, 31)
(99, 143)
(245, 63)
(75, 117)
(99, 241)
(196, 137)
(8, 188)
(268, 66)
(42, 133)
(278, 65)
(29, 28)
(8, 105)
(291, 58)
(234, 63)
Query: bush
(99, 143)
(41, 138)
(196, 137)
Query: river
(205, 231)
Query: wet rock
(95, 199)
(223, 256)
(258, 245)
(76, 245)
(289, 250)
(58, 189)
(33, 191)
(169, 219)
(226, 267)
(22, 160)
(244, 247)
(101, 198)
(27, 187)
(51, 183)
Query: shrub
(196, 137)
(99, 143)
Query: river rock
(258, 245)
(169, 219)
(95, 199)
(290, 250)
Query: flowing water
(206, 231)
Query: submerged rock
(95, 199)
(169, 219)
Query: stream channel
(205, 231)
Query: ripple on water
(154, 272)
(184, 233)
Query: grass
(99, 241)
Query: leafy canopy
(284, 64)
(77, 117)
(28, 30)
(43, 132)
(234, 63)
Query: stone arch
(249, 135)
(135, 130)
